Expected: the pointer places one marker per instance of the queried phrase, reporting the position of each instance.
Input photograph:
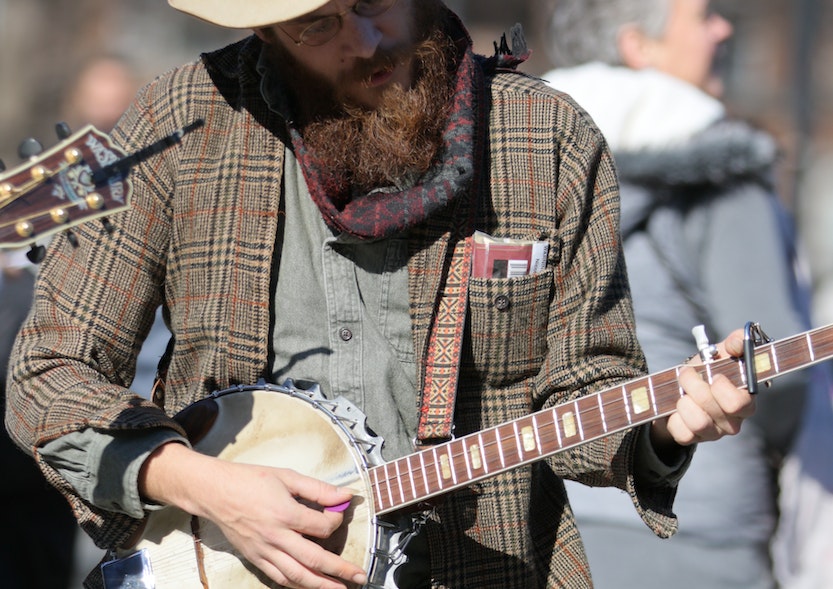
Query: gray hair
(582, 31)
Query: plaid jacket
(200, 237)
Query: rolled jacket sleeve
(103, 467)
(651, 470)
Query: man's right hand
(261, 510)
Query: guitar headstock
(57, 189)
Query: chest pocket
(508, 326)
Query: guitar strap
(445, 339)
(446, 336)
(444, 344)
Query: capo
(753, 336)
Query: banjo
(329, 440)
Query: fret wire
(775, 360)
(578, 419)
(399, 482)
(627, 405)
(554, 413)
(377, 485)
(466, 459)
(387, 480)
(452, 465)
(437, 467)
(424, 471)
(500, 448)
(680, 390)
(483, 460)
(583, 413)
(653, 395)
(411, 476)
(485, 447)
(500, 439)
(518, 443)
(707, 370)
(537, 431)
(602, 411)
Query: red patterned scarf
(383, 214)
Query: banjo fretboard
(439, 469)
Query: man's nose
(361, 35)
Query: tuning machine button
(62, 130)
(36, 254)
(29, 148)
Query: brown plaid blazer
(200, 239)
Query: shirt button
(345, 334)
(501, 302)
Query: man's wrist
(158, 474)
(659, 459)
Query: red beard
(398, 140)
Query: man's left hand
(706, 412)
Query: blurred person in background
(100, 92)
(104, 87)
(706, 242)
(803, 544)
(41, 528)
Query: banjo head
(275, 426)
(271, 427)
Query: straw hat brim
(246, 14)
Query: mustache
(383, 59)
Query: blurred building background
(774, 65)
(775, 72)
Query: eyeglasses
(325, 28)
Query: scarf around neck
(382, 214)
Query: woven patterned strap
(445, 341)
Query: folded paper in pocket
(494, 257)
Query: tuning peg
(707, 351)
(62, 130)
(108, 226)
(29, 148)
(36, 254)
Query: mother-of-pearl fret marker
(640, 401)
(474, 456)
(762, 362)
(528, 436)
(568, 420)
(445, 466)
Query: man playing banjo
(318, 227)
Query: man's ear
(265, 34)
(635, 47)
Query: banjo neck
(439, 469)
